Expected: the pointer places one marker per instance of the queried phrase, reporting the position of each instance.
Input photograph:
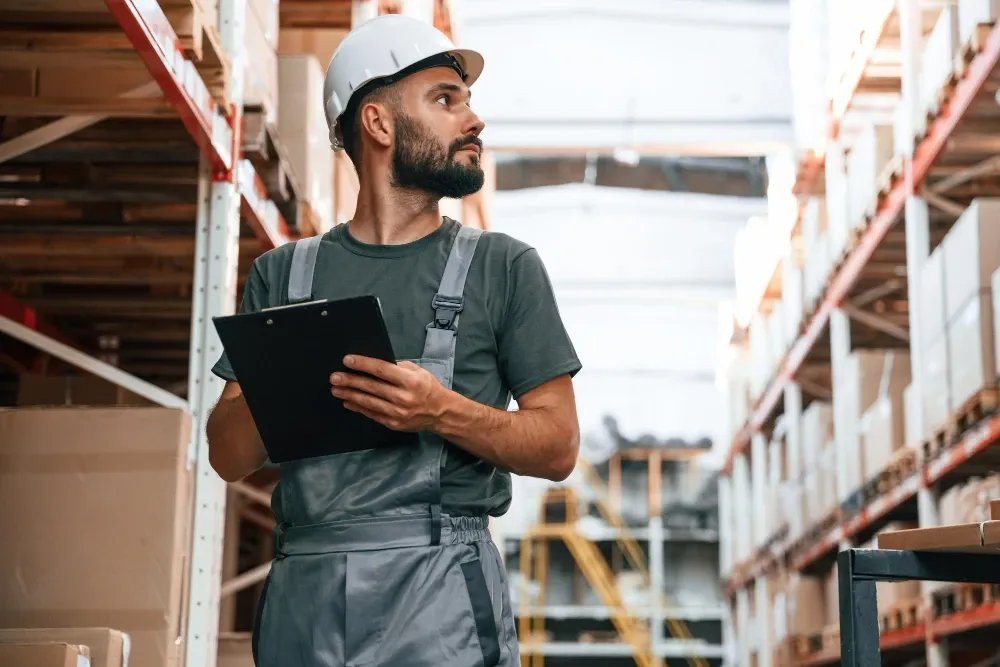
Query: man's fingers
(377, 367)
(365, 400)
(366, 384)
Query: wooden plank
(13, 245)
(57, 40)
(70, 106)
(315, 14)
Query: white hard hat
(385, 49)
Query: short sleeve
(255, 298)
(533, 344)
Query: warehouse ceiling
(735, 176)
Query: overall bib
(368, 570)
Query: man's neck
(394, 216)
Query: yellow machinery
(534, 560)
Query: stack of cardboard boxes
(868, 397)
(64, 647)
(869, 156)
(100, 502)
(958, 314)
(260, 66)
(937, 65)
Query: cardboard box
(828, 479)
(817, 429)
(866, 376)
(107, 647)
(806, 605)
(871, 153)
(776, 334)
(831, 597)
(971, 254)
(260, 76)
(882, 436)
(303, 130)
(936, 64)
(43, 655)
(317, 42)
(265, 13)
(932, 310)
(972, 13)
(971, 348)
(913, 434)
(234, 651)
(996, 314)
(210, 12)
(791, 296)
(85, 389)
(100, 500)
(837, 207)
(934, 386)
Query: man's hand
(403, 396)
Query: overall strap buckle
(446, 310)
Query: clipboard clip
(446, 309)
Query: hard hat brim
(472, 62)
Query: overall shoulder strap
(449, 300)
(300, 275)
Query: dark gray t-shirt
(511, 337)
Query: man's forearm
(532, 442)
(234, 446)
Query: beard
(420, 162)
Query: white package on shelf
(971, 254)
(807, 37)
(871, 153)
(972, 13)
(996, 314)
(836, 200)
(937, 65)
(791, 296)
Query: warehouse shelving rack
(192, 143)
(640, 629)
(939, 170)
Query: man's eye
(443, 99)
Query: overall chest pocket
(442, 369)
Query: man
(383, 555)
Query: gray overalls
(368, 571)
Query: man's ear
(376, 122)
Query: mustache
(462, 142)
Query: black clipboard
(283, 358)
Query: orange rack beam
(214, 130)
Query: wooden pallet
(889, 177)
(902, 614)
(263, 147)
(971, 596)
(963, 597)
(201, 42)
(980, 405)
(903, 464)
(971, 49)
(937, 443)
(831, 637)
